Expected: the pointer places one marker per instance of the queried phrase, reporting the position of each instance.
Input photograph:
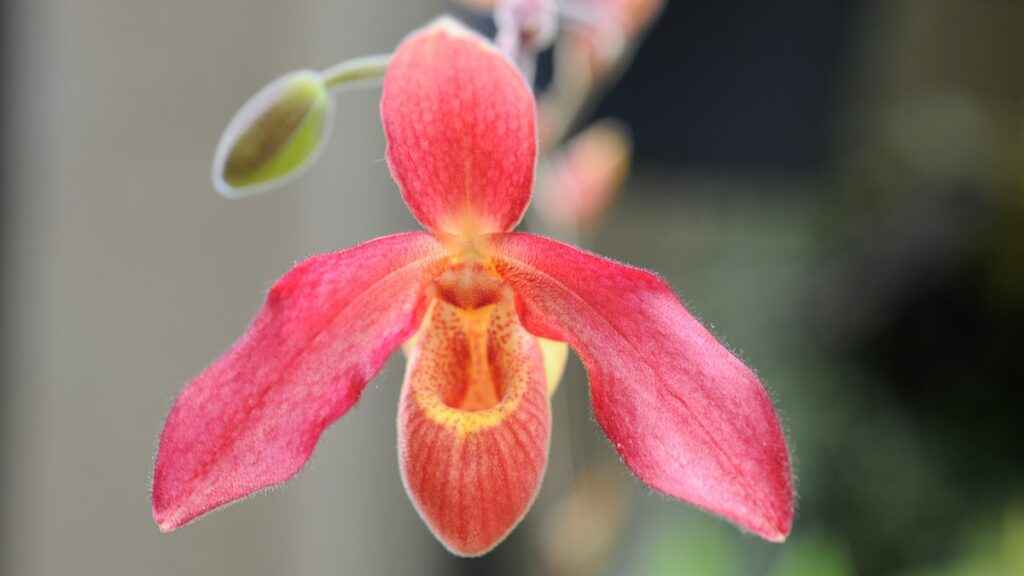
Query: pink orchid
(687, 417)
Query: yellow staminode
(555, 355)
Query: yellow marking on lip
(466, 422)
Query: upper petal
(473, 424)
(460, 123)
(252, 419)
(685, 414)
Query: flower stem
(357, 69)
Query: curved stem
(356, 69)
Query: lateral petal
(460, 123)
(252, 419)
(687, 416)
(474, 425)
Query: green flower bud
(275, 135)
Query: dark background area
(739, 85)
(878, 129)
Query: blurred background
(836, 188)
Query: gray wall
(129, 274)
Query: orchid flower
(481, 304)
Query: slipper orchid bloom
(476, 299)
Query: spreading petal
(460, 123)
(688, 417)
(474, 424)
(252, 419)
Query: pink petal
(461, 129)
(474, 424)
(252, 419)
(688, 418)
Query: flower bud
(274, 136)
